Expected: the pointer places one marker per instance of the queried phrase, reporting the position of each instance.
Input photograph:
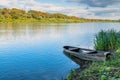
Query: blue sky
(95, 9)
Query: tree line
(18, 14)
(15, 13)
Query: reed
(107, 40)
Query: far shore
(51, 21)
(15, 15)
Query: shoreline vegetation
(107, 70)
(15, 15)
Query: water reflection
(14, 31)
(83, 63)
(29, 32)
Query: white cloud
(99, 13)
(29, 4)
(4, 2)
(105, 13)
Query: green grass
(103, 70)
(108, 70)
(107, 40)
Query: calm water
(34, 51)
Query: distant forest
(17, 15)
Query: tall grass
(107, 40)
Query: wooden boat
(87, 54)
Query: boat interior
(80, 50)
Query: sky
(92, 9)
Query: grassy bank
(49, 20)
(108, 70)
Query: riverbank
(50, 20)
(42, 21)
(107, 70)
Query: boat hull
(99, 56)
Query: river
(35, 51)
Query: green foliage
(109, 70)
(107, 40)
(118, 50)
(16, 15)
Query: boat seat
(92, 52)
(73, 48)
